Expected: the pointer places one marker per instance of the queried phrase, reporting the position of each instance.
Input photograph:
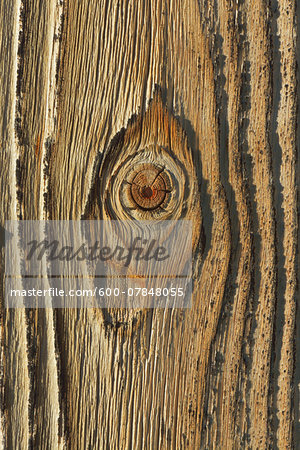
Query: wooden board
(85, 86)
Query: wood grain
(206, 90)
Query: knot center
(148, 192)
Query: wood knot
(147, 172)
(149, 187)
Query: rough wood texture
(207, 89)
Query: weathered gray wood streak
(222, 75)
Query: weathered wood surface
(215, 83)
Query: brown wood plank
(207, 90)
